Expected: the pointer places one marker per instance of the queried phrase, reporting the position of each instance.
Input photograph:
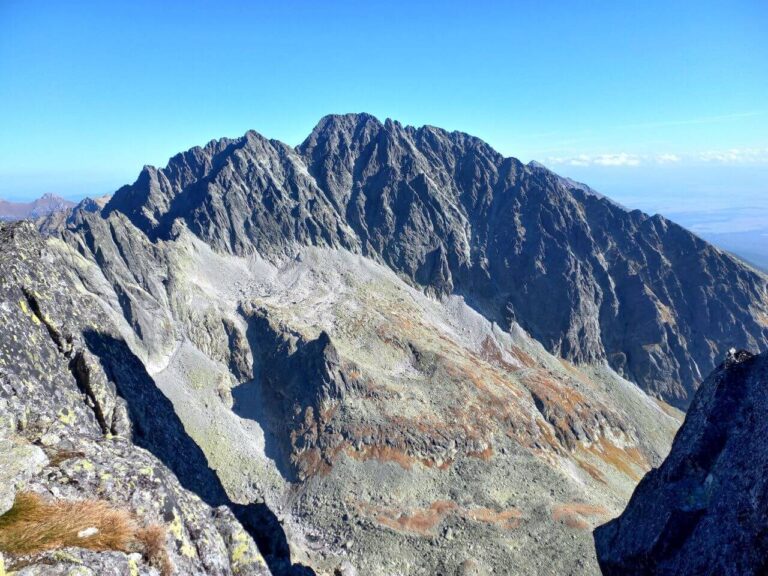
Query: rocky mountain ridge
(385, 428)
(388, 350)
(452, 215)
(74, 424)
(39, 208)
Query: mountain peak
(342, 128)
(47, 204)
(349, 119)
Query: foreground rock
(704, 511)
(66, 433)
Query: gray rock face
(704, 510)
(589, 279)
(389, 431)
(72, 421)
(19, 461)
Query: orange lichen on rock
(491, 353)
(424, 521)
(383, 454)
(310, 463)
(630, 461)
(484, 454)
(578, 515)
(591, 470)
(521, 356)
(509, 518)
(421, 521)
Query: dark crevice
(77, 365)
(79, 368)
(53, 332)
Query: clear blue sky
(656, 103)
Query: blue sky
(662, 105)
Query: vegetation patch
(578, 515)
(34, 525)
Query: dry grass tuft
(36, 525)
(55, 458)
(152, 539)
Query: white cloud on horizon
(620, 159)
(667, 158)
(736, 156)
(733, 156)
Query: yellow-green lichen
(66, 416)
(27, 312)
(84, 464)
(188, 550)
(176, 528)
(133, 567)
(62, 556)
(239, 552)
(240, 556)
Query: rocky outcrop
(452, 215)
(704, 510)
(70, 427)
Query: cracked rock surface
(703, 511)
(66, 433)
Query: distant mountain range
(43, 206)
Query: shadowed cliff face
(584, 276)
(704, 510)
(157, 428)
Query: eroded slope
(387, 428)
